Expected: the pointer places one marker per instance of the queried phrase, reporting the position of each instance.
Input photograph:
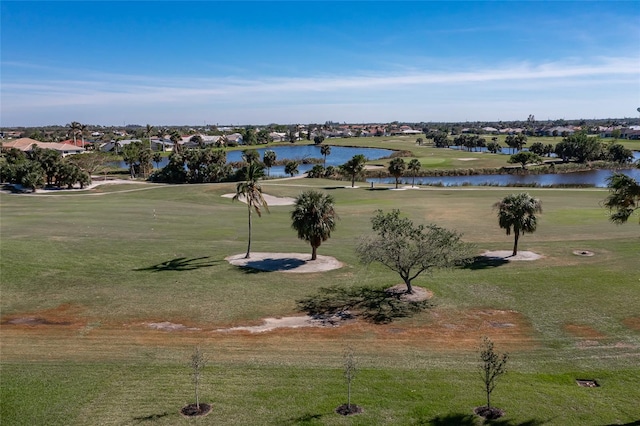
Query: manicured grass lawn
(100, 268)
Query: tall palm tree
(414, 168)
(624, 197)
(82, 128)
(149, 129)
(251, 191)
(397, 166)
(269, 159)
(517, 214)
(314, 217)
(325, 150)
(74, 128)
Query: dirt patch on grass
(270, 324)
(419, 293)
(583, 331)
(442, 330)
(632, 323)
(65, 315)
(170, 326)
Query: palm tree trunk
(249, 244)
(515, 243)
(314, 252)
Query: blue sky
(171, 63)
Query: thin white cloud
(119, 92)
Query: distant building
(27, 144)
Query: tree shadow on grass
(181, 264)
(272, 265)
(376, 305)
(636, 423)
(485, 262)
(150, 417)
(459, 419)
(306, 419)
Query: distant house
(559, 131)
(278, 136)
(235, 138)
(111, 146)
(78, 142)
(27, 144)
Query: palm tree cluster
(40, 166)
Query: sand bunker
(285, 262)
(466, 159)
(506, 255)
(270, 199)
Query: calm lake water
(339, 155)
(597, 178)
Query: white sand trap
(466, 159)
(285, 262)
(411, 187)
(270, 199)
(506, 255)
(270, 324)
(402, 188)
(373, 167)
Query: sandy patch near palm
(270, 199)
(507, 255)
(285, 262)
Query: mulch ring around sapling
(192, 410)
(349, 410)
(489, 413)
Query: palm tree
(149, 129)
(269, 159)
(354, 167)
(250, 156)
(251, 191)
(314, 217)
(397, 166)
(82, 128)
(624, 197)
(157, 158)
(74, 127)
(414, 168)
(291, 168)
(517, 213)
(325, 150)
